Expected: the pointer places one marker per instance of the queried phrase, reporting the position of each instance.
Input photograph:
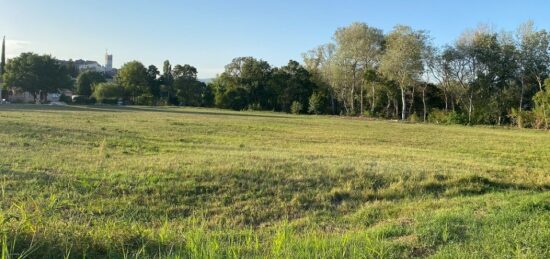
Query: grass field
(203, 183)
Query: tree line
(483, 77)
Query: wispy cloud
(16, 47)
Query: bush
(314, 104)
(83, 100)
(442, 117)
(296, 107)
(254, 107)
(144, 99)
(541, 111)
(112, 101)
(522, 119)
(65, 99)
(413, 118)
(104, 91)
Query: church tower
(108, 61)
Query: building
(86, 65)
(108, 61)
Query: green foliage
(65, 99)
(442, 117)
(153, 81)
(414, 118)
(107, 91)
(83, 100)
(133, 78)
(314, 106)
(86, 80)
(36, 74)
(296, 107)
(3, 58)
(523, 119)
(542, 107)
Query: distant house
(86, 65)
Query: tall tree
(402, 61)
(3, 58)
(358, 49)
(153, 81)
(167, 80)
(186, 72)
(86, 80)
(132, 76)
(533, 58)
(36, 74)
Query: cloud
(16, 47)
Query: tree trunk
(388, 107)
(446, 99)
(539, 81)
(424, 101)
(453, 103)
(396, 104)
(332, 104)
(411, 107)
(352, 106)
(521, 96)
(373, 100)
(470, 107)
(404, 103)
(361, 102)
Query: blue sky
(208, 34)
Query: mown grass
(203, 183)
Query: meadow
(171, 182)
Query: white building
(90, 66)
(108, 61)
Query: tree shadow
(113, 108)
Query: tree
(253, 77)
(3, 57)
(132, 77)
(314, 106)
(153, 81)
(36, 74)
(318, 62)
(186, 72)
(108, 91)
(86, 80)
(533, 58)
(290, 83)
(402, 61)
(167, 80)
(358, 49)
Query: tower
(108, 61)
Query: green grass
(139, 182)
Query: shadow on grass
(112, 108)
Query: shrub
(414, 118)
(296, 107)
(64, 98)
(254, 107)
(83, 100)
(522, 119)
(442, 117)
(104, 91)
(144, 99)
(541, 111)
(314, 104)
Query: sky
(209, 34)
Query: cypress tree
(3, 59)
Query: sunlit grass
(180, 182)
